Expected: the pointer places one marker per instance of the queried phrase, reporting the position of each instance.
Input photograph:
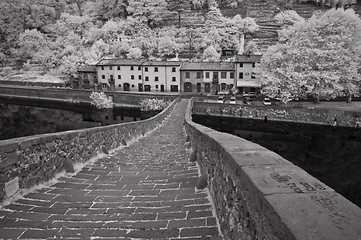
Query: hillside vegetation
(63, 35)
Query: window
(139, 68)
(174, 79)
(131, 67)
(223, 74)
(156, 86)
(103, 76)
(118, 68)
(146, 79)
(241, 75)
(156, 79)
(146, 69)
(253, 75)
(111, 68)
(102, 67)
(207, 74)
(120, 85)
(140, 77)
(132, 77)
(241, 65)
(155, 69)
(231, 75)
(187, 75)
(199, 75)
(253, 65)
(173, 69)
(119, 77)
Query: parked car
(267, 101)
(250, 94)
(233, 100)
(220, 99)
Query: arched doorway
(187, 87)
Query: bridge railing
(260, 195)
(27, 161)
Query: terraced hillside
(262, 10)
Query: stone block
(68, 165)
(256, 157)
(8, 145)
(11, 187)
(277, 179)
(325, 215)
(202, 182)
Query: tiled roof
(212, 66)
(136, 62)
(162, 63)
(88, 68)
(248, 58)
(119, 62)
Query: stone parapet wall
(35, 159)
(130, 98)
(279, 113)
(260, 195)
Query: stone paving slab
(144, 191)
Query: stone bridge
(162, 178)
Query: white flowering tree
(210, 54)
(153, 104)
(288, 17)
(100, 100)
(242, 27)
(134, 52)
(320, 58)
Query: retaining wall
(30, 160)
(260, 195)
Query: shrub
(148, 104)
(100, 100)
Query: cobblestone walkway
(145, 191)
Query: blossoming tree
(320, 57)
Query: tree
(251, 48)
(320, 58)
(134, 53)
(101, 101)
(243, 27)
(211, 54)
(32, 43)
(167, 46)
(288, 17)
(214, 17)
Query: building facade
(207, 77)
(139, 75)
(246, 79)
(88, 78)
(142, 75)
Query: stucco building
(207, 77)
(142, 75)
(139, 75)
(87, 78)
(246, 79)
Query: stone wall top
(260, 195)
